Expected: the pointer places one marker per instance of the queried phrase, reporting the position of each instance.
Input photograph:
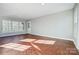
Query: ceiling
(32, 10)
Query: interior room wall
(78, 26)
(75, 25)
(28, 26)
(58, 25)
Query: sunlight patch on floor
(16, 46)
(28, 40)
(45, 42)
(35, 46)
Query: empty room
(39, 29)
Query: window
(12, 26)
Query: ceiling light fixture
(42, 3)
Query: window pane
(15, 26)
(4, 26)
(9, 26)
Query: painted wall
(28, 26)
(78, 27)
(59, 25)
(75, 25)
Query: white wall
(75, 24)
(58, 25)
(78, 27)
(77, 40)
(28, 26)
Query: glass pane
(4, 26)
(15, 26)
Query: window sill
(11, 33)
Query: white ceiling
(32, 10)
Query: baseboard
(76, 45)
(11, 34)
(78, 50)
(53, 37)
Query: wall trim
(76, 45)
(11, 34)
(54, 37)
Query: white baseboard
(11, 34)
(76, 46)
(54, 37)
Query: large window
(12, 26)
